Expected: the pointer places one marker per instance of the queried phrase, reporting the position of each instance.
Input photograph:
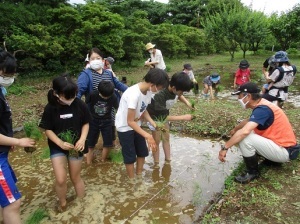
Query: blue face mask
(4, 92)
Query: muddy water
(174, 193)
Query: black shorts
(133, 145)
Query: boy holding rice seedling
(159, 110)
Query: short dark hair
(157, 77)
(8, 63)
(95, 50)
(62, 85)
(106, 88)
(181, 81)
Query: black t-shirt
(161, 103)
(101, 108)
(60, 118)
(5, 121)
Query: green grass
(19, 89)
(116, 156)
(37, 216)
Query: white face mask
(66, 102)
(153, 93)
(242, 102)
(6, 81)
(96, 64)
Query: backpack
(292, 73)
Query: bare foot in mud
(61, 208)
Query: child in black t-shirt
(66, 123)
(159, 109)
(10, 196)
(100, 104)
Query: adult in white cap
(267, 132)
(156, 59)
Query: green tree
(136, 33)
(257, 30)
(222, 27)
(286, 27)
(186, 12)
(167, 39)
(194, 39)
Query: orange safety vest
(281, 131)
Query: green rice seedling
(37, 216)
(70, 137)
(32, 130)
(193, 102)
(116, 156)
(160, 123)
(45, 153)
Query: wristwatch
(223, 148)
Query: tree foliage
(56, 36)
(286, 27)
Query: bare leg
(205, 90)
(75, 169)
(105, 152)
(166, 144)
(130, 170)
(89, 156)
(59, 165)
(11, 213)
(139, 165)
(1, 215)
(157, 136)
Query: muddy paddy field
(174, 193)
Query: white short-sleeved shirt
(158, 58)
(132, 98)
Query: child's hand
(151, 143)
(66, 146)
(187, 117)
(26, 142)
(79, 146)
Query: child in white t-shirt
(132, 109)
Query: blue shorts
(133, 145)
(55, 152)
(103, 126)
(8, 190)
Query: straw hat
(149, 46)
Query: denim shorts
(55, 152)
(8, 190)
(103, 126)
(133, 145)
